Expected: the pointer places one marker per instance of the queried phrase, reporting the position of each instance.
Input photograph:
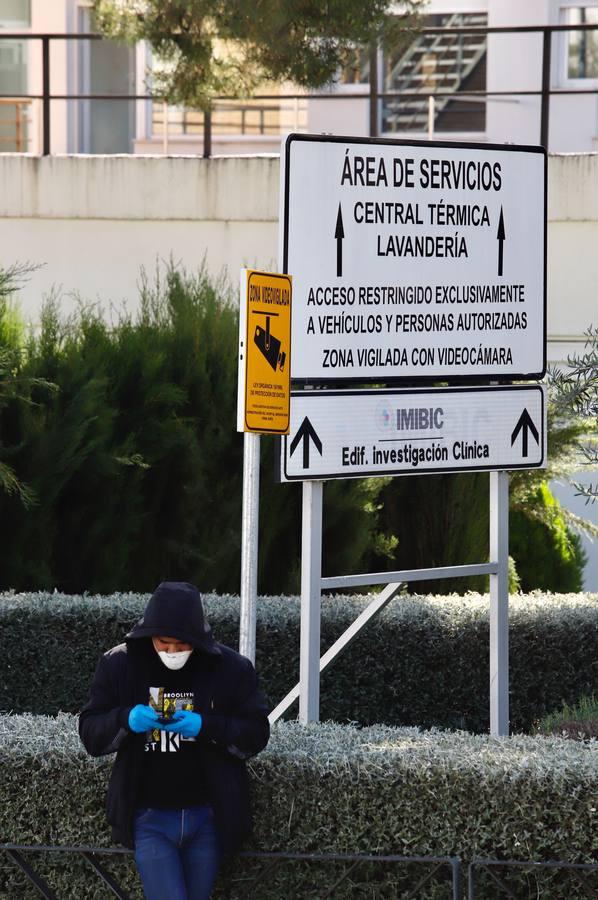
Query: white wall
(348, 115)
(572, 249)
(565, 494)
(93, 221)
(515, 64)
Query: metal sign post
(311, 589)
(499, 604)
(249, 543)
(263, 403)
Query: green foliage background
(209, 48)
(121, 466)
(135, 462)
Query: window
(104, 67)
(13, 113)
(356, 69)
(582, 46)
(15, 13)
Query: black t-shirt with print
(170, 771)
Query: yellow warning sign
(264, 353)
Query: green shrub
(136, 465)
(442, 520)
(423, 661)
(135, 461)
(330, 788)
(548, 557)
(579, 721)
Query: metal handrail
(545, 92)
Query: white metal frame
(312, 584)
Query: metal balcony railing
(545, 92)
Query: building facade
(431, 63)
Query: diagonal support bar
(105, 876)
(41, 885)
(414, 894)
(346, 638)
(504, 887)
(340, 880)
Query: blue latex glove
(143, 718)
(186, 723)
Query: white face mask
(174, 660)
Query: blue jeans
(176, 852)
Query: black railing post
(46, 95)
(545, 112)
(374, 89)
(207, 133)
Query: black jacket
(235, 727)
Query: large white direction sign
(354, 434)
(414, 259)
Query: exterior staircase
(433, 64)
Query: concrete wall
(93, 221)
(572, 242)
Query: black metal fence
(574, 879)
(447, 867)
(375, 95)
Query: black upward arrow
(500, 235)
(339, 234)
(305, 432)
(525, 425)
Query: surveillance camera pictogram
(268, 344)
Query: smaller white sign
(363, 433)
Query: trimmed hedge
(330, 788)
(423, 661)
